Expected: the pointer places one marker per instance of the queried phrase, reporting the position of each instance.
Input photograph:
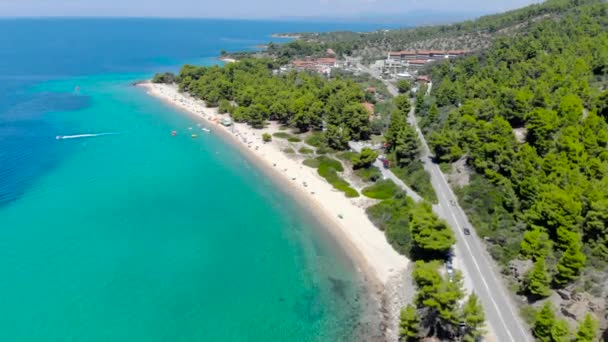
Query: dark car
(466, 231)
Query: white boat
(206, 129)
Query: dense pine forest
(250, 92)
(544, 196)
(529, 116)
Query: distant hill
(473, 34)
(403, 20)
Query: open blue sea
(140, 236)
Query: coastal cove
(383, 268)
(141, 236)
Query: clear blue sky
(246, 8)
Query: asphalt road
(501, 313)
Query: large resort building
(411, 60)
(320, 65)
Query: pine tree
(430, 234)
(560, 331)
(397, 123)
(433, 113)
(545, 319)
(403, 104)
(404, 86)
(571, 262)
(407, 146)
(473, 316)
(536, 244)
(587, 329)
(409, 325)
(537, 281)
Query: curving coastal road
(476, 264)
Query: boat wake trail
(61, 137)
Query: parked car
(449, 268)
(466, 231)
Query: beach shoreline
(382, 269)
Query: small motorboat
(194, 136)
(59, 137)
(173, 133)
(205, 129)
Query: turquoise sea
(140, 236)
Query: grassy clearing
(418, 179)
(316, 139)
(289, 150)
(337, 182)
(347, 156)
(328, 168)
(330, 163)
(325, 150)
(370, 174)
(383, 189)
(306, 150)
(281, 135)
(311, 162)
(285, 135)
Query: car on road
(449, 267)
(466, 231)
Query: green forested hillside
(543, 197)
(472, 34)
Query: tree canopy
(528, 114)
(305, 101)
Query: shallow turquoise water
(142, 236)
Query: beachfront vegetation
(304, 101)
(542, 195)
(383, 189)
(316, 139)
(328, 168)
(409, 324)
(346, 156)
(311, 162)
(166, 77)
(306, 150)
(371, 174)
(392, 216)
(365, 159)
(281, 135)
(266, 137)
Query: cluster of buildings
(320, 65)
(404, 64)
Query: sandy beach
(345, 218)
